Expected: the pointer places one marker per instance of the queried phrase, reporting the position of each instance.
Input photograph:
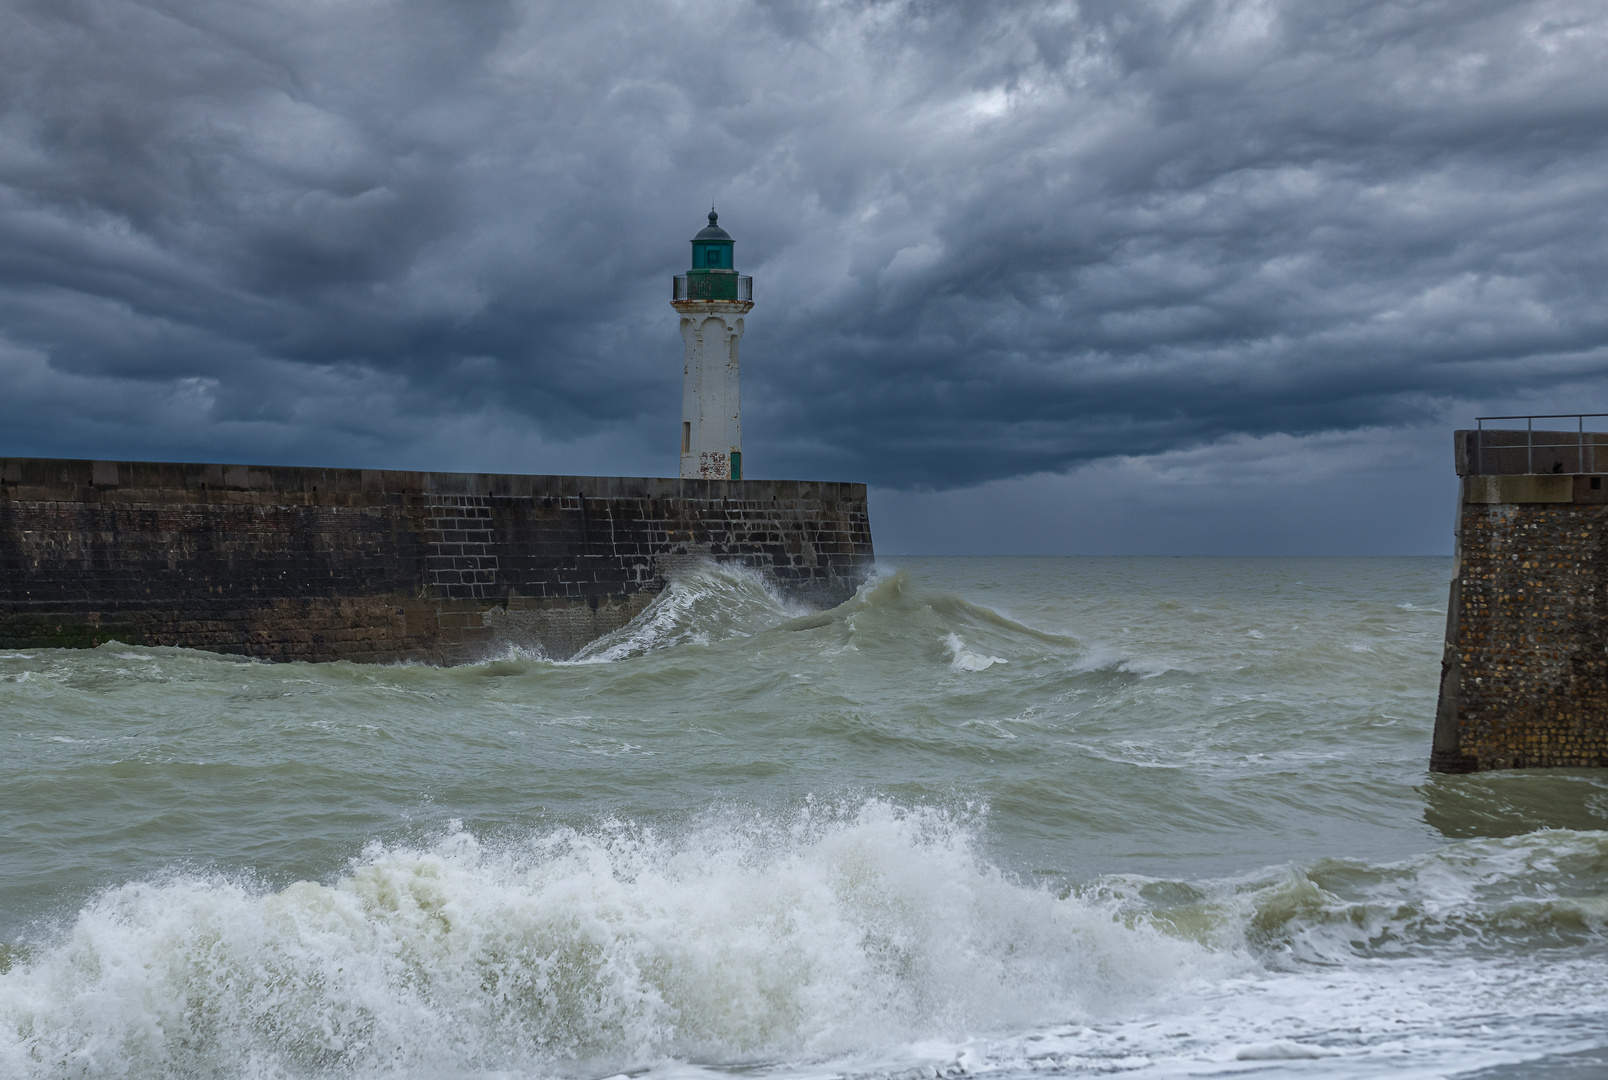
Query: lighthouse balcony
(713, 285)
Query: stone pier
(1524, 679)
(358, 564)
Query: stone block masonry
(349, 564)
(1524, 678)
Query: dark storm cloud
(988, 239)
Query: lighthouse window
(712, 258)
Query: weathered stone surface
(327, 564)
(1524, 678)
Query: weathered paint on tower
(711, 298)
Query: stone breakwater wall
(1524, 677)
(359, 564)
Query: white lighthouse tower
(711, 299)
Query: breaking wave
(708, 603)
(1527, 893)
(963, 659)
(715, 602)
(845, 930)
(744, 940)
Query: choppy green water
(1158, 816)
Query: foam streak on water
(1004, 817)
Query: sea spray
(706, 603)
(963, 659)
(744, 939)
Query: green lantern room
(713, 275)
(712, 247)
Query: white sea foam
(869, 941)
(707, 603)
(577, 953)
(1442, 964)
(1106, 658)
(963, 659)
(1280, 1050)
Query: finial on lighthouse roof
(712, 231)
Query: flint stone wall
(1524, 678)
(350, 564)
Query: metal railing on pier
(1581, 443)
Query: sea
(1002, 817)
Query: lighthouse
(711, 299)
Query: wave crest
(1478, 897)
(746, 939)
(708, 603)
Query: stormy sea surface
(991, 817)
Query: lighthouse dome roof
(712, 231)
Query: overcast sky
(1096, 277)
